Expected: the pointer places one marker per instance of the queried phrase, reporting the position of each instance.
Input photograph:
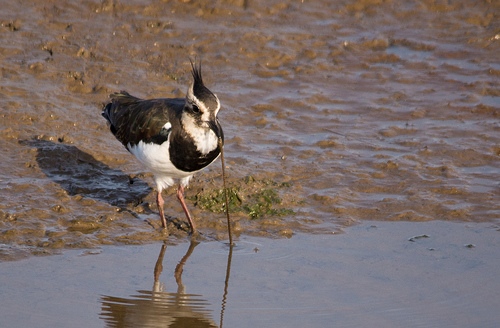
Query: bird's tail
(117, 99)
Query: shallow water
(377, 274)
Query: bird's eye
(196, 109)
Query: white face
(200, 111)
(195, 120)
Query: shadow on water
(79, 173)
(158, 308)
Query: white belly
(156, 159)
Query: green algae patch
(254, 198)
(266, 203)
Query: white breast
(157, 160)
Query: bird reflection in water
(158, 308)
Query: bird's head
(201, 105)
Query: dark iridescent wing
(132, 119)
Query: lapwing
(172, 137)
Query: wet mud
(334, 113)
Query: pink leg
(159, 203)
(180, 196)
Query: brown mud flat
(347, 111)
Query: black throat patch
(185, 156)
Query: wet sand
(363, 111)
(335, 114)
(377, 274)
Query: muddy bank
(334, 113)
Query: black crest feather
(196, 71)
(200, 91)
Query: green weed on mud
(252, 197)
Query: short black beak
(215, 126)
